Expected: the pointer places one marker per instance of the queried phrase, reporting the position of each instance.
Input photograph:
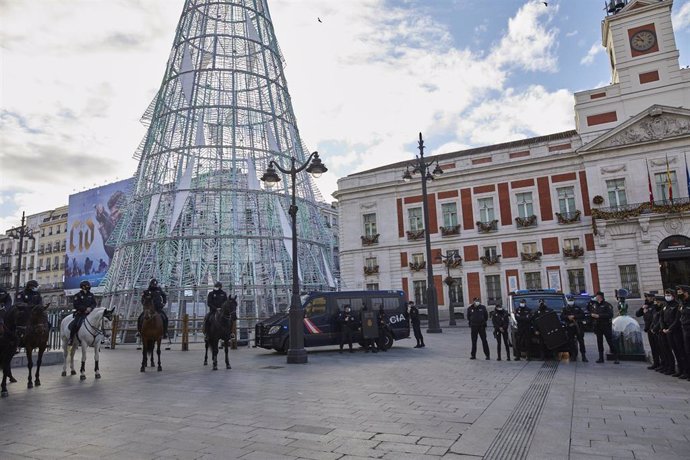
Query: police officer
(347, 324)
(477, 316)
(384, 330)
(501, 322)
(156, 294)
(646, 311)
(572, 317)
(666, 362)
(84, 302)
(542, 309)
(683, 292)
(369, 344)
(416, 327)
(670, 328)
(602, 315)
(26, 300)
(523, 317)
(215, 300)
(5, 300)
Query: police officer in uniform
(572, 317)
(382, 321)
(416, 327)
(26, 300)
(666, 362)
(602, 314)
(542, 309)
(477, 316)
(670, 328)
(646, 311)
(523, 317)
(369, 344)
(215, 300)
(501, 322)
(156, 294)
(5, 300)
(84, 302)
(347, 324)
(683, 292)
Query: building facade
(601, 207)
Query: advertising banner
(91, 219)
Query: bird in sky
(319, 19)
(546, 3)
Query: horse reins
(90, 327)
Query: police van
(321, 318)
(553, 299)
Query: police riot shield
(370, 329)
(551, 330)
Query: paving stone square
(403, 404)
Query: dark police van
(553, 299)
(321, 318)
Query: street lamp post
(296, 352)
(451, 261)
(20, 233)
(421, 167)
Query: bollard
(185, 332)
(233, 331)
(113, 332)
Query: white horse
(92, 331)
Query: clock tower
(639, 40)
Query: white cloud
(681, 17)
(595, 49)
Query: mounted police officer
(348, 324)
(602, 314)
(646, 311)
(523, 317)
(5, 305)
(416, 326)
(84, 302)
(683, 292)
(542, 309)
(477, 316)
(215, 300)
(572, 316)
(26, 300)
(671, 330)
(155, 294)
(501, 322)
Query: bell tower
(638, 37)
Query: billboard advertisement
(91, 219)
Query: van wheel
(388, 341)
(284, 347)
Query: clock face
(643, 40)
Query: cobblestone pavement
(406, 403)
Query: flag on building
(687, 174)
(649, 184)
(668, 181)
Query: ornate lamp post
(20, 233)
(296, 352)
(450, 261)
(422, 167)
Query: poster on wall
(92, 217)
(554, 277)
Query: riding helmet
(85, 285)
(218, 285)
(153, 283)
(31, 284)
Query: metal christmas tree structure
(197, 212)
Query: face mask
(499, 308)
(570, 303)
(523, 305)
(217, 289)
(34, 289)
(476, 303)
(668, 298)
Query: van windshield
(553, 302)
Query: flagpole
(668, 180)
(649, 183)
(687, 173)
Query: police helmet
(153, 283)
(85, 285)
(32, 284)
(569, 297)
(218, 284)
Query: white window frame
(450, 219)
(525, 207)
(564, 202)
(417, 223)
(369, 226)
(486, 214)
(615, 190)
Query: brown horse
(151, 334)
(8, 346)
(36, 335)
(219, 327)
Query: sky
(76, 76)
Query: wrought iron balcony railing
(371, 270)
(635, 209)
(414, 235)
(417, 266)
(526, 222)
(490, 260)
(486, 227)
(452, 230)
(368, 240)
(530, 256)
(568, 217)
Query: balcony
(449, 231)
(573, 253)
(55, 267)
(371, 270)
(368, 240)
(453, 262)
(414, 235)
(490, 260)
(486, 227)
(417, 266)
(49, 250)
(530, 256)
(568, 217)
(636, 209)
(526, 222)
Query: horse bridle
(90, 327)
